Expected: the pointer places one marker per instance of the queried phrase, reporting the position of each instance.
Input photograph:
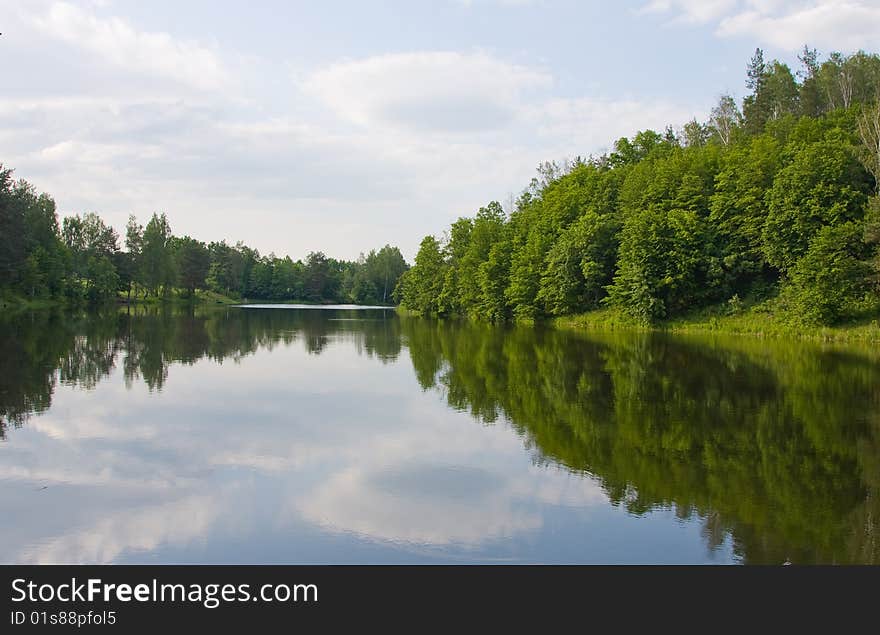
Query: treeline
(773, 197)
(82, 260)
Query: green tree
(580, 265)
(660, 271)
(420, 287)
(823, 185)
(192, 261)
(157, 261)
(832, 277)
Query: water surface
(338, 435)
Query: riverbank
(765, 319)
(13, 302)
(17, 302)
(200, 297)
(768, 319)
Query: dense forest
(774, 199)
(81, 261)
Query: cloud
(350, 155)
(694, 11)
(117, 43)
(787, 24)
(595, 123)
(441, 91)
(832, 25)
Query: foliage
(832, 276)
(668, 224)
(81, 261)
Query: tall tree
(157, 264)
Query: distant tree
(869, 134)
(695, 134)
(157, 263)
(420, 286)
(134, 245)
(192, 260)
(725, 119)
(12, 228)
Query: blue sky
(340, 126)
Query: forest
(773, 199)
(81, 261)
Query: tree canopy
(765, 197)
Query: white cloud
(427, 91)
(353, 154)
(117, 43)
(845, 25)
(832, 25)
(699, 11)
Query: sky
(343, 126)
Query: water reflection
(321, 442)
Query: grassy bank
(200, 297)
(767, 319)
(15, 302)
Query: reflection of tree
(81, 350)
(30, 351)
(772, 445)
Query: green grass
(178, 297)
(767, 319)
(15, 302)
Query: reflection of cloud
(439, 504)
(288, 445)
(388, 506)
(145, 529)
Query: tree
(420, 286)
(738, 208)
(811, 98)
(774, 93)
(695, 134)
(192, 260)
(869, 134)
(103, 281)
(157, 263)
(91, 245)
(322, 278)
(660, 270)
(832, 276)
(383, 269)
(580, 265)
(823, 185)
(487, 229)
(725, 118)
(12, 229)
(134, 245)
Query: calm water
(304, 435)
